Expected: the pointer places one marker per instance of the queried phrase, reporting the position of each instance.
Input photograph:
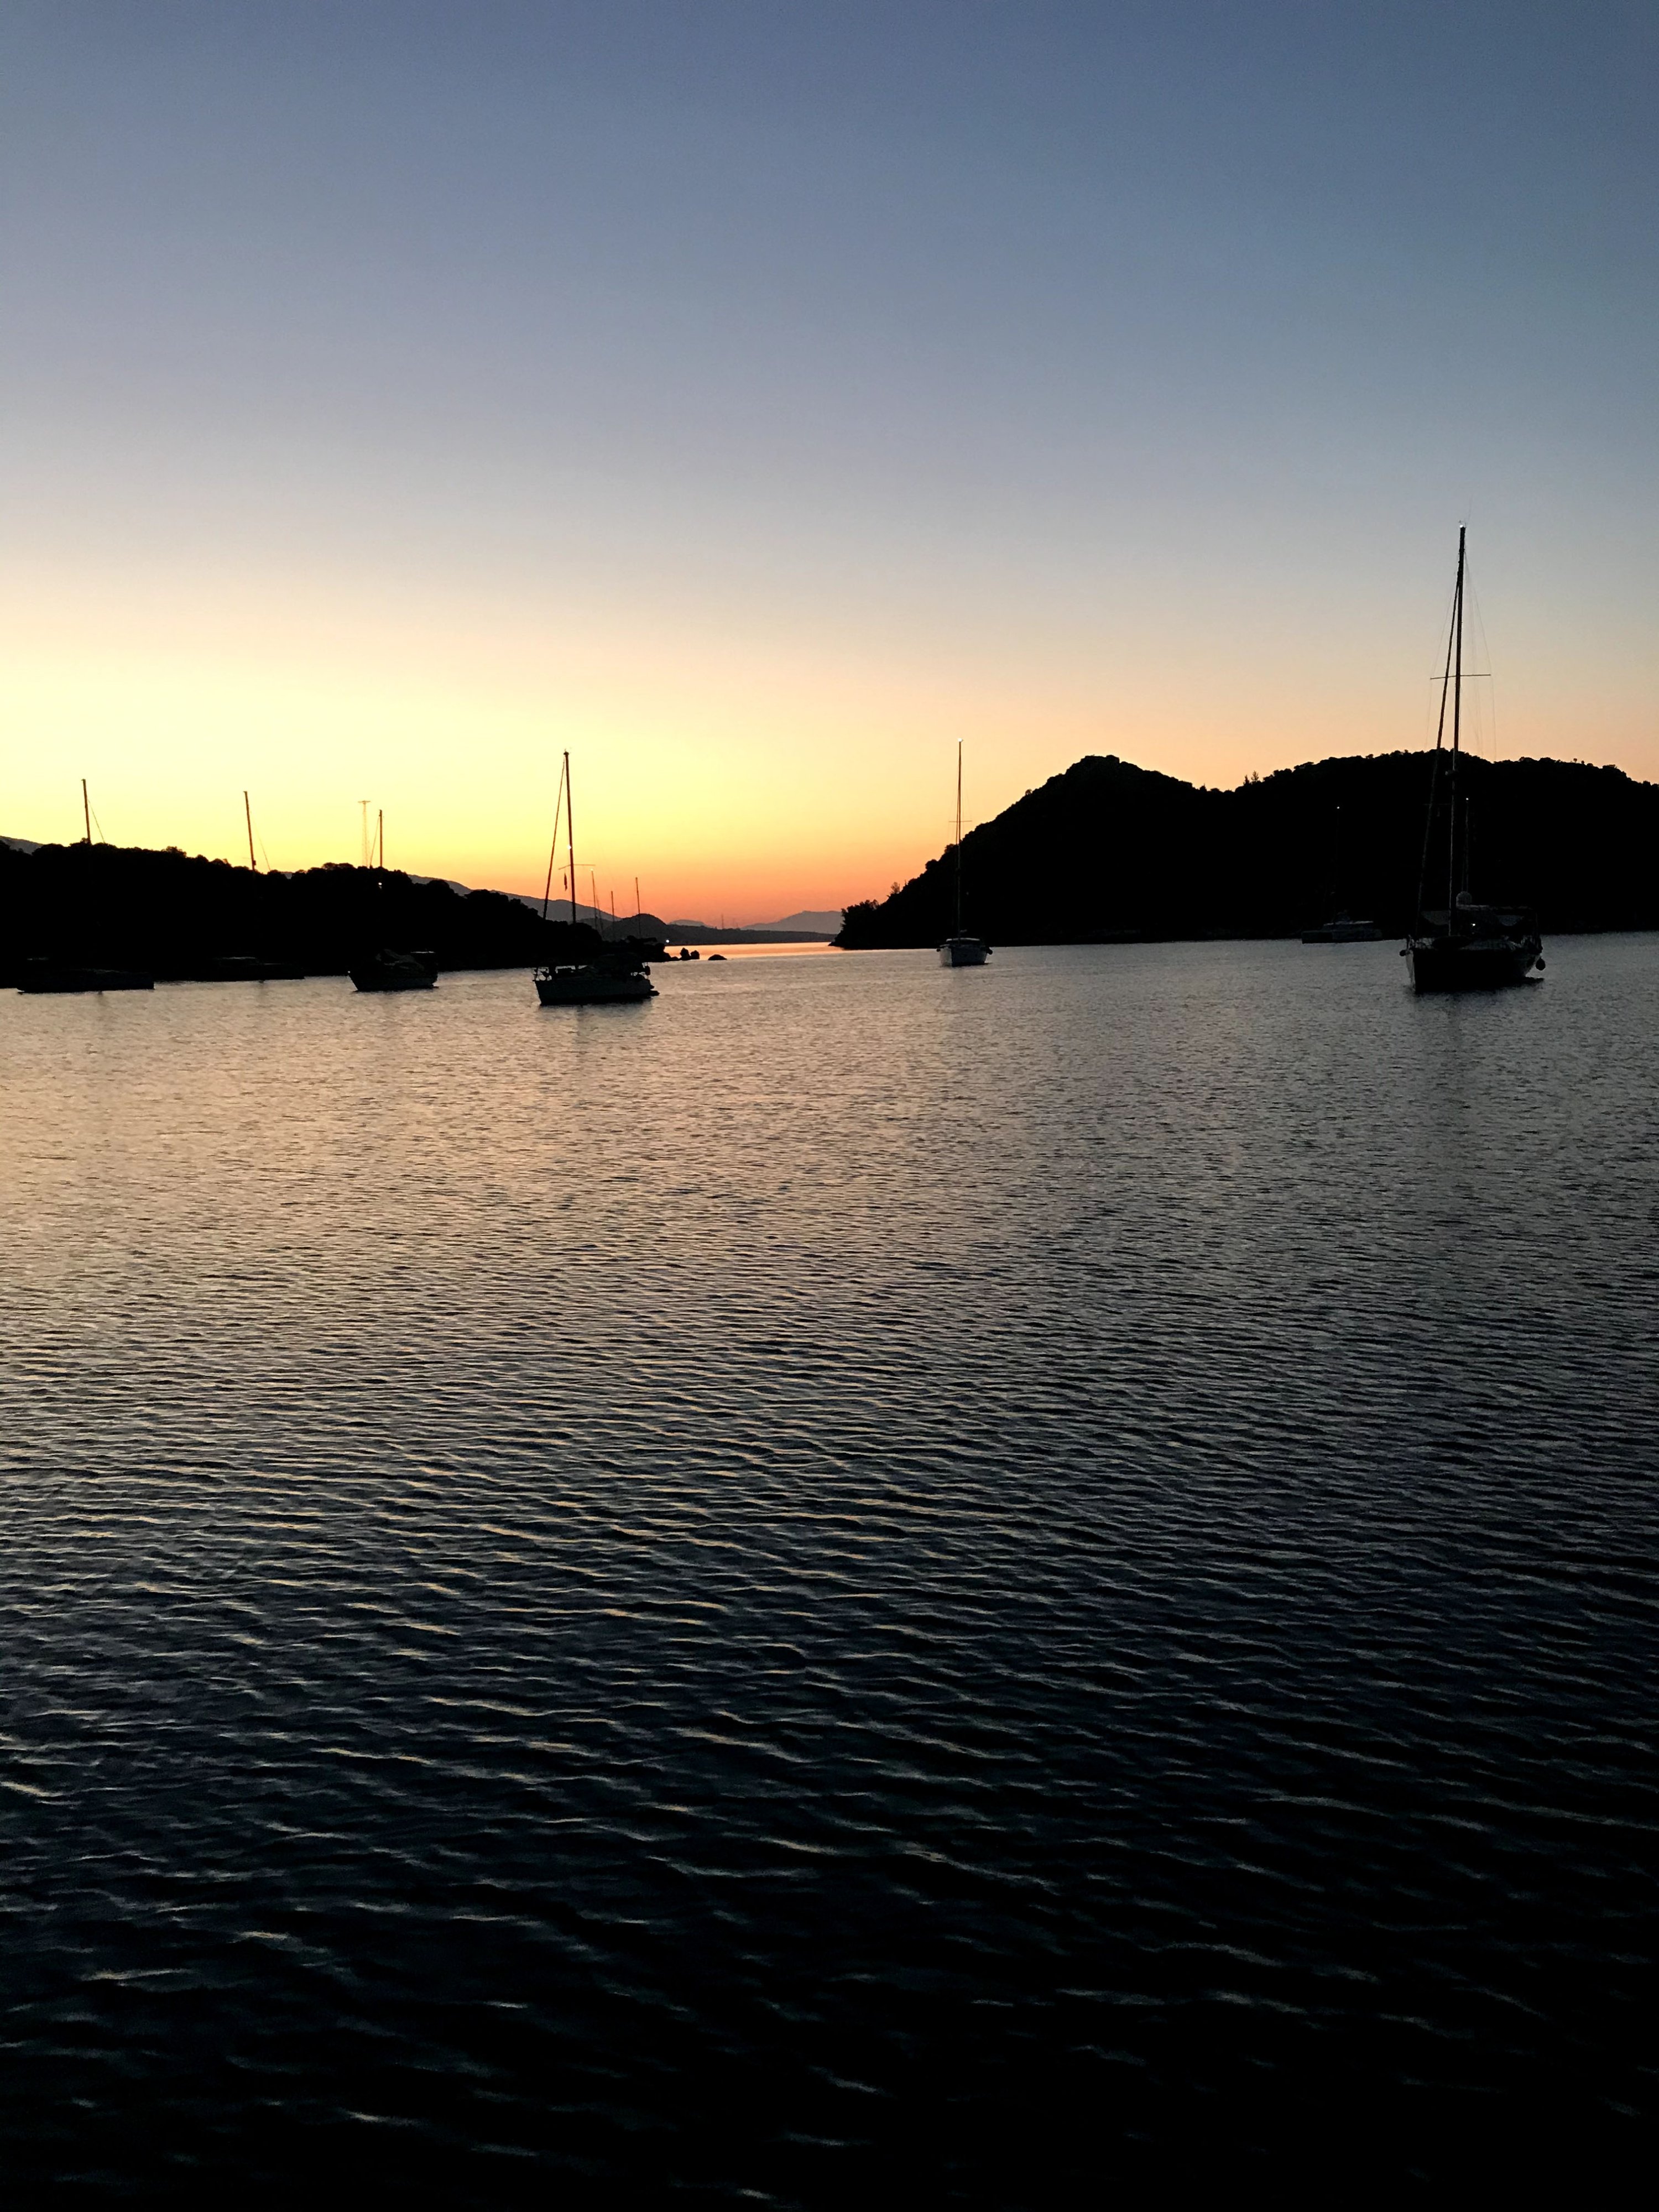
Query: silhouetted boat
(243, 967)
(961, 948)
(617, 974)
(396, 971)
(43, 975)
(1487, 948)
(1342, 929)
(1464, 945)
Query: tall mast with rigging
(1468, 947)
(553, 850)
(570, 837)
(603, 976)
(1439, 742)
(247, 809)
(1457, 716)
(958, 837)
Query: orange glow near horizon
(749, 771)
(399, 397)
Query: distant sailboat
(387, 970)
(1463, 946)
(39, 976)
(616, 973)
(1342, 928)
(960, 949)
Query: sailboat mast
(253, 867)
(553, 850)
(1434, 782)
(1457, 718)
(958, 836)
(86, 809)
(570, 837)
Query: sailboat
(1342, 928)
(39, 977)
(389, 970)
(616, 975)
(960, 949)
(1463, 946)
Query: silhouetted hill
(817, 922)
(121, 906)
(1107, 848)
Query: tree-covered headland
(1107, 850)
(178, 916)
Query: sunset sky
(757, 398)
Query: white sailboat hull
(964, 952)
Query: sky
(759, 398)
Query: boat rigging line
(553, 850)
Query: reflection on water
(999, 1573)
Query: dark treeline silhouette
(1108, 849)
(122, 906)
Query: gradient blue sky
(758, 399)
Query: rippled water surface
(860, 1574)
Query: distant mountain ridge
(1108, 849)
(819, 923)
(675, 932)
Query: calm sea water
(861, 1575)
